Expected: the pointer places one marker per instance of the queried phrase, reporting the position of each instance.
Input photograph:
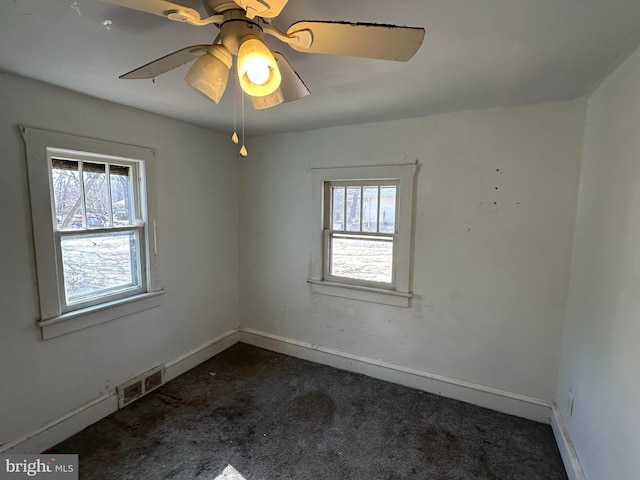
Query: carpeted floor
(250, 414)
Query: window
(99, 227)
(360, 231)
(366, 228)
(96, 254)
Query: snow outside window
(96, 253)
(366, 216)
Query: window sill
(90, 316)
(365, 294)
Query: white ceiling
(477, 54)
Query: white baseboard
(195, 357)
(58, 429)
(64, 426)
(489, 397)
(525, 406)
(565, 445)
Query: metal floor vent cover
(139, 386)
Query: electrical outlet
(570, 403)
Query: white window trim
(329, 232)
(401, 295)
(139, 225)
(53, 320)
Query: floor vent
(139, 386)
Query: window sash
(329, 232)
(329, 235)
(84, 163)
(329, 209)
(132, 169)
(104, 295)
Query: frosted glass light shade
(210, 73)
(257, 69)
(268, 101)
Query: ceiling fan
(265, 76)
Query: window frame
(56, 317)
(398, 294)
(138, 226)
(329, 232)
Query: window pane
(388, 209)
(96, 194)
(370, 209)
(337, 215)
(66, 193)
(99, 265)
(362, 258)
(120, 195)
(353, 208)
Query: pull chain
(234, 137)
(243, 150)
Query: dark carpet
(251, 414)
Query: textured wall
(496, 200)
(196, 200)
(600, 354)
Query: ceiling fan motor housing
(213, 7)
(236, 27)
(252, 8)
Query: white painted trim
(405, 174)
(483, 395)
(195, 357)
(357, 292)
(521, 405)
(97, 314)
(565, 445)
(64, 426)
(70, 423)
(40, 145)
(347, 167)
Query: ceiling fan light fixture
(210, 73)
(258, 71)
(268, 101)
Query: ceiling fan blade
(166, 63)
(262, 8)
(291, 87)
(157, 7)
(369, 40)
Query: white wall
(490, 279)
(196, 193)
(601, 345)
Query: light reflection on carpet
(230, 473)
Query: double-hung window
(360, 233)
(365, 230)
(99, 228)
(94, 229)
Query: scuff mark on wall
(74, 5)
